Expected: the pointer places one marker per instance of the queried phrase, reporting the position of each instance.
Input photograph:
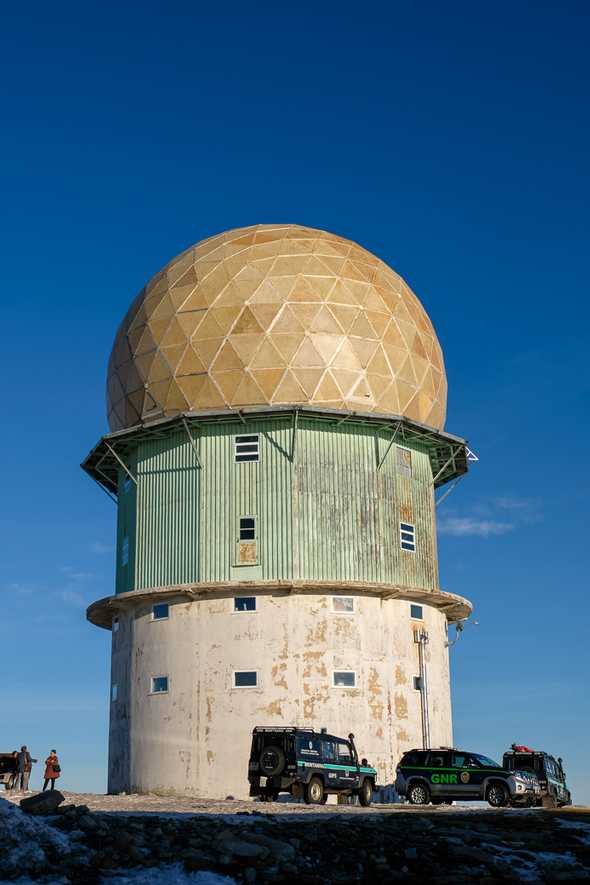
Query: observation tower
(276, 398)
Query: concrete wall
(196, 738)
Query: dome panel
(276, 314)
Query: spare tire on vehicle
(272, 760)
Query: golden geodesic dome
(276, 315)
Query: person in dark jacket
(52, 770)
(13, 782)
(25, 765)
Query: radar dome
(276, 315)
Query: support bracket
(294, 435)
(391, 442)
(120, 460)
(192, 441)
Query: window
(344, 679)
(115, 624)
(114, 692)
(159, 684)
(125, 550)
(418, 683)
(438, 760)
(416, 612)
(484, 761)
(404, 461)
(308, 745)
(245, 604)
(328, 751)
(414, 757)
(247, 448)
(245, 679)
(247, 528)
(160, 611)
(344, 754)
(343, 605)
(407, 536)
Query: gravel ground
(148, 803)
(115, 840)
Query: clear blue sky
(450, 139)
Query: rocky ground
(97, 839)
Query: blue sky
(451, 140)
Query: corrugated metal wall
(329, 515)
(125, 572)
(167, 512)
(233, 490)
(349, 511)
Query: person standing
(13, 782)
(25, 765)
(52, 770)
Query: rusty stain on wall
(317, 634)
(401, 707)
(406, 513)
(311, 658)
(400, 676)
(278, 675)
(273, 709)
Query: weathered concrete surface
(176, 743)
(274, 843)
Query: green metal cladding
(325, 509)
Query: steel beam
(121, 462)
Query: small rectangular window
(159, 684)
(416, 612)
(247, 528)
(328, 751)
(247, 448)
(344, 679)
(245, 604)
(343, 605)
(160, 611)
(404, 461)
(407, 536)
(115, 624)
(418, 683)
(245, 679)
(114, 692)
(125, 550)
(344, 754)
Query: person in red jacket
(52, 770)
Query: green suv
(308, 764)
(442, 775)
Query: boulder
(42, 803)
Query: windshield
(485, 761)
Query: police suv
(308, 764)
(442, 775)
(548, 770)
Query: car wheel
(418, 794)
(497, 795)
(272, 761)
(366, 793)
(314, 792)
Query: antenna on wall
(459, 627)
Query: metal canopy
(448, 453)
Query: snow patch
(25, 840)
(171, 874)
